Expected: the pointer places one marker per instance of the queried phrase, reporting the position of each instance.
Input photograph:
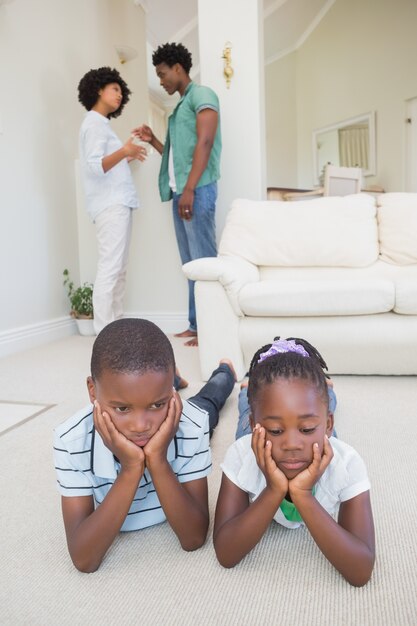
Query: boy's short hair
(94, 80)
(130, 346)
(172, 53)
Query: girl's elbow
(359, 581)
(225, 560)
(362, 575)
(226, 563)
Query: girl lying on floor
(291, 469)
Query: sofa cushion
(406, 296)
(325, 232)
(397, 220)
(405, 281)
(317, 297)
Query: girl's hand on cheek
(129, 455)
(157, 446)
(305, 481)
(275, 479)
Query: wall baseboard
(27, 337)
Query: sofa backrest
(397, 222)
(327, 232)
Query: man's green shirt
(182, 136)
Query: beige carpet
(146, 578)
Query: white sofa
(340, 272)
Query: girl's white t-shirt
(344, 478)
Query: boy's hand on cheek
(275, 479)
(305, 481)
(129, 455)
(156, 448)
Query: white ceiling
(287, 23)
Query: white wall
(361, 57)
(242, 105)
(38, 77)
(281, 126)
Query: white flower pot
(85, 327)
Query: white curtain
(354, 147)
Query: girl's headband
(280, 346)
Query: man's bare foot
(182, 383)
(187, 333)
(230, 364)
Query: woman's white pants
(113, 228)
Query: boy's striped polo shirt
(85, 467)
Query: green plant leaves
(81, 298)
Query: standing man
(190, 164)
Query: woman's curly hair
(172, 53)
(94, 80)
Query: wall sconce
(126, 53)
(228, 69)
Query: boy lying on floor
(137, 455)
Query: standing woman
(108, 186)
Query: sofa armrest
(232, 272)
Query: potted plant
(81, 299)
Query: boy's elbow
(193, 543)
(360, 579)
(86, 569)
(85, 566)
(195, 539)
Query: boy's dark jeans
(214, 394)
